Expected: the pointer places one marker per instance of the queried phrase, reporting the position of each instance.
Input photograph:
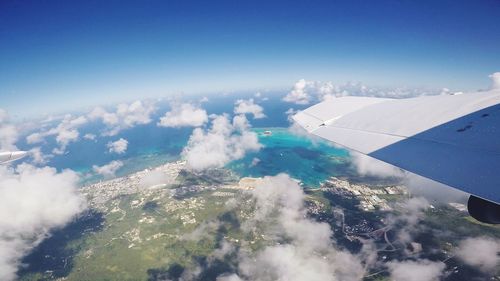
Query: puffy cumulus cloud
(300, 93)
(305, 92)
(38, 157)
(421, 270)
(65, 132)
(290, 113)
(225, 141)
(368, 166)
(480, 252)
(359, 89)
(33, 202)
(34, 138)
(289, 262)
(495, 81)
(154, 178)
(302, 248)
(407, 222)
(107, 118)
(119, 146)
(109, 169)
(249, 107)
(89, 136)
(124, 117)
(8, 132)
(64, 138)
(184, 115)
(204, 230)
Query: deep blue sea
(150, 145)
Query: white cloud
(302, 248)
(8, 132)
(204, 230)
(34, 138)
(109, 169)
(184, 115)
(481, 252)
(421, 270)
(407, 222)
(154, 178)
(33, 202)
(495, 80)
(255, 161)
(249, 107)
(38, 156)
(305, 92)
(240, 123)
(418, 185)
(368, 166)
(65, 132)
(4, 116)
(222, 143)
(299, 94)
(89, 137)
(231, 277)
(64, 137)
(107, 118)
(126, 116)
(119, 146)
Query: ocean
(150, 145)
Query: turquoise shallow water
(150, 145)
(283, 152)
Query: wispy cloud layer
(225, 141)
(249, 107)
(119, 146)
(304, 249)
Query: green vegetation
(160, 232)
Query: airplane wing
(452, 139)
(9, 156)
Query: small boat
(267, 133)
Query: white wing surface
(9, 156)
(452, 139)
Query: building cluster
(100, 193)
(369, 197)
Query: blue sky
(57, 55)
